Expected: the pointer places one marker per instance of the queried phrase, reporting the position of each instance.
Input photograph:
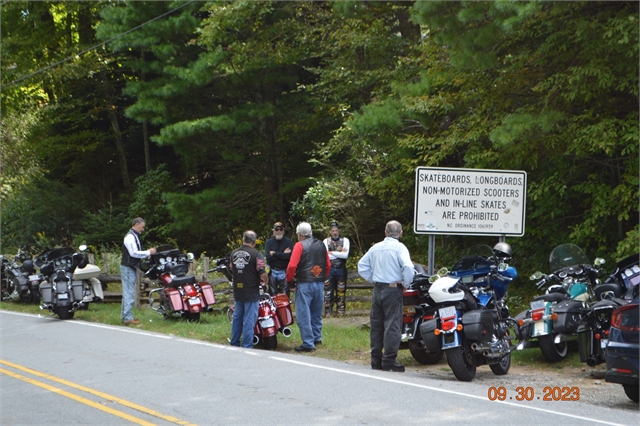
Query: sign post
(469, 202)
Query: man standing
(132, 255)
(278, 251)
(388, 265)
(248, 268)
(310, 265)
(335, 288)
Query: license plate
(603, 343)
(266, 323)
(449, 311)
(34, 278)
(537, 304)
(194, 301)
(63, 296)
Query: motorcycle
(416, 309)
(274, 312)
(61, 291)
(471, 318)
(618, 290)
(554, 317)
(180, 294)
(19, 279)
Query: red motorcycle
(274, 313)
(180, 294)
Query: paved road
(73, 372)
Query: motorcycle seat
(551, 297)
(180, 281)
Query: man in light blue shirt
(388, 266)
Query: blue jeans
(245, 315)
(128, 276)
(309, 303)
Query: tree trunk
(115, 125)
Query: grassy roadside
(344, 339)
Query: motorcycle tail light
(597, 336)
(537, 315)
(606, 332)
(190, 290)
(554, 316)
(626, 318)
(436, 332)
(448, 325)
(428, 317)
(165, 278)
(459, 327)
(407, 319)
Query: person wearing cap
(310, 266)
(335, 288)
(388, 266)
(277, 250)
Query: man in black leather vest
(248, 268)
(335, 289)
(310, 266)
(132, 255)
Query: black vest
(313, 261)
(337, 246)
(246, 279)
(127, 260)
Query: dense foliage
(208, 118)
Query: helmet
(502, 249)
(441, 290)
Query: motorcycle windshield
(567, 255)
(474, 258)
(56, 253)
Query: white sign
(470, 201)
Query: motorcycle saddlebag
(432, 342)
(283, 307)
(78, 289)
(568, 316)
(21, 283)
(524, 332)
(175, 299)
(478, 325)
(45, 292)
(207, 293)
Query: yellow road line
(100, 394)
(78, 398)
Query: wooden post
(91, 258)
(105, 263)
(205, 274)
(136, 296)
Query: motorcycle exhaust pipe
(592, 361)
(286, 331)
(256, 339)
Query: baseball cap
(278, 225)
(334, 224)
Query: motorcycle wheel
(631, 391)
(63, 312)
(25, 296)
(421, 355)
(193, 317)
(502, 367)
(270, 343)
(553, 352)
(462, 362)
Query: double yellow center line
(86, 401)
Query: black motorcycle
(19, 279)
(618, 290)
(60, 293)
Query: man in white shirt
(335, 288)
(132, 255)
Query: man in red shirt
(310, 266)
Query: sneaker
(132, 322)
(304, 349)
(396, 366)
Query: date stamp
(522, 393)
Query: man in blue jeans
(248, 268)
(310, 266)
(132, 255)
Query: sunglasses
(279, 229)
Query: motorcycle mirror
(83, 247)
(503, 267)
(536, 276)
(190, 257)
(599, 261)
